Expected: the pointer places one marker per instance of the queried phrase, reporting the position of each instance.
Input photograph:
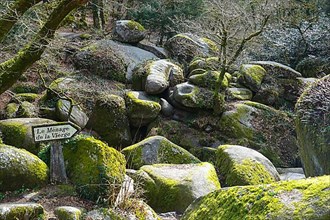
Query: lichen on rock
(154, 150)
(93, 167)
(313, 127)
(296, 199)
(19, 168)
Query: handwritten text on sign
(53, 132)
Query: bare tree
(231, 25)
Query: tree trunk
(12, 14)
(12, 69)
(95, 12)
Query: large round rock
(157, 149)
(260, 127)
(128, 31)
(243, 166)
(19, 168)
(18, 132)
(141, 108)
(110, 121)
(93, 167)
(172, 187)
(184, 47)
(313, 127)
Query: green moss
(164, 150)
(252, 76)
(141, 108)
(14, 133)
(245, 172)
(133, 25)
(65, 213)
(93, 167)
(18, 164)
(110, 121)
(29, 97)
(11, 110)
(235, 123)
(21, 211)
(208, 80)
(169, 192)
(164, 193)
(212, 45)
(297, 199)
(85, 36)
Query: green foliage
(159, 15)
(44, 154)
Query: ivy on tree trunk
(13, 68)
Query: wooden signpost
(54, 133)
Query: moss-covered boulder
(28, 97)
(190, 96)
(156, 149)
(172, 187)
(184, 47)
(19, 168)
(68, 213)
(313, 127)
(263, 128)
(274, 84)
(11, 211)
(111, 60)
(21, 110)
(252, 76)
(313, 66)
(128, 31)
(209, 63)
(77, 116)
(11, 110)
(21, 97)
(278, 70)
(109, 119)
(155, 77)
(141, 108)
(296, 199)
(132, 209)
(81, 88)
(239, 166)
(209, 79)
(18, 132)
(103, 213)
(93, 167)
(183, 135)
(238, 94)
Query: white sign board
(50, 132)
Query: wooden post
(54, 133)
(57, 166)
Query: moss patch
(155, 150)
(298, 199)
(19, 168)
(95, 168)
